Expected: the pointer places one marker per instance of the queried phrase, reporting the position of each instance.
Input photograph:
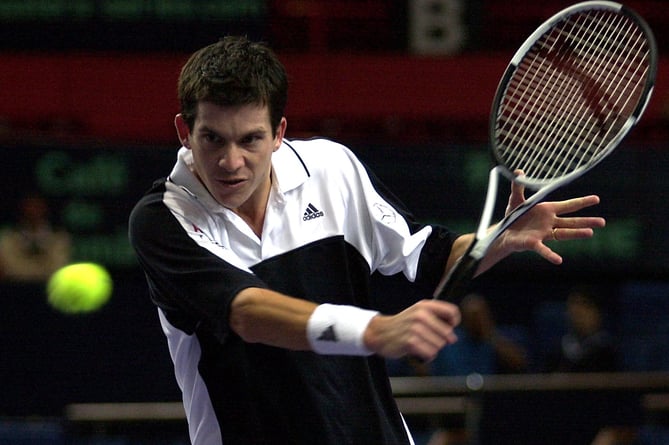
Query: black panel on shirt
(258, 395)
(325, 270)
(190, 284)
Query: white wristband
(338, 330)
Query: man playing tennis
(258, 253)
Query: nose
(231, 159)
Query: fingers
(561, 234)
(548, 254)
(432, 328)
(564, 234)
(575, 204)
(579, 222)
(574, 227)
(569, 228)
(420, 331)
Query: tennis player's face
(232, 152)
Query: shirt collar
(183, 177)
(288, 167)
(288, 170)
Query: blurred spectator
(481, 347)
(587, 346)
(32, 249)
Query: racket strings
(618, 79)
(579, 147)
(572, 94)
(586, 94)
(559, 84)
(569, 83)
(571, 69)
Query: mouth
(231, 183)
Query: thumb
(517, 196)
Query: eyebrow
(258, 130)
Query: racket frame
(485, 235)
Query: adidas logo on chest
(311, 212)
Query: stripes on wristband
(338, 329)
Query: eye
(211, 138)
(251, 139)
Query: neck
(253, 211)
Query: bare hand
(420, 330)
(545, 223)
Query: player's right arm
(263, 316)
(419, 331)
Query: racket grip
(457, 284)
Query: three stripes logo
(311, 213)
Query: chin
(229, 203)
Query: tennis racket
(570, 94)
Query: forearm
(268, 317)
(458, 249)
(264, 316)
(494, 255)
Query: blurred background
(87, 101)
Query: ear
(280, 133)
(182, 130)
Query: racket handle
(457, 283)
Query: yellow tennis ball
(79, 288)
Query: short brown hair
(233, 71)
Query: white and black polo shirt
(329, 225)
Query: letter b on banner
(437, 27)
